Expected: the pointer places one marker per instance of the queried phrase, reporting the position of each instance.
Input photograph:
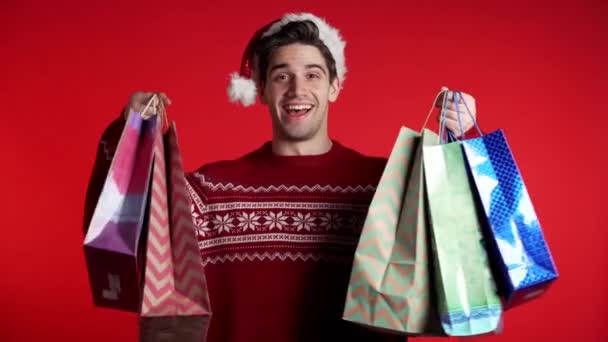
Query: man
(278, 227)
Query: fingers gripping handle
(156, 103)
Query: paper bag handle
(450, 135)
(162, 112)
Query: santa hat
(242, 86)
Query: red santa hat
(243, 87)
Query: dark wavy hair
(303, 32)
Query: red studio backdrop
(537, 70)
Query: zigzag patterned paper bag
(468, 301)
(523, 263)
(112, 243)
(175, 300)
(389, 286)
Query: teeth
(298, 107)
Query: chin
(297, 136)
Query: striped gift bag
(175, 303)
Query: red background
(536, 70)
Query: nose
(297, 86)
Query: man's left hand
(452, 114)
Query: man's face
(297, 92)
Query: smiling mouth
(297, 110)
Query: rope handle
(154, 102)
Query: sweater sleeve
(198, 198)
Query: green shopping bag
(468, 300)
(389, 286)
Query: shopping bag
(468, 300)
(522, 259)
(389, 287)
(115, 232)
(175, 303)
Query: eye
(313, 76)
(281, 77)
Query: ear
(334, 89)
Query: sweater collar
(268, 154)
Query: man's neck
(315, 146)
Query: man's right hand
(139, 100)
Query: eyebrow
(307, 66)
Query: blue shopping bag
(521, 258)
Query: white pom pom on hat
(242, 89)
(243, 85)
